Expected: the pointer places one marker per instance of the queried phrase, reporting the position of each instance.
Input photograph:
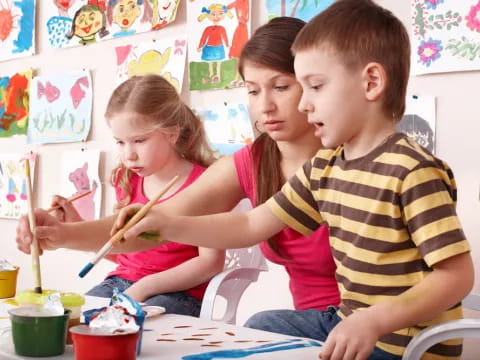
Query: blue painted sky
(306, 13)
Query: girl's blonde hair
(214, 7)
(157, 102)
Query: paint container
(70, 301)
(91, 344)
(8, 283)
(37, 334)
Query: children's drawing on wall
(218, 30)
(446, 35)
(17, 28)
(81, 22)
(302, 9)
(13, 184)
(228, 127)
(60, 108)
(165, 58)
(14, 103)
(419, 120)
(80, 175)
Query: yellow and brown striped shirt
(391, 216)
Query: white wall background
(458, 126)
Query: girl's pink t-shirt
(134, 266)
(307, 259)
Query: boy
(403, 262)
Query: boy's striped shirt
(391, 217)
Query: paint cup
(8, 283)
(70, 301)
(91, 344)
(37, 334)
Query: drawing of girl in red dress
(240, 36)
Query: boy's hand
(66, 212)
(352, 339)
(48, 230)
(123, 216)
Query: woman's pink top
(134, 266)
(307, 259)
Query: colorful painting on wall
(60, 108)
(302, 9)
(17, 28)
(165, 58)
(14, 103)
(446, 36)
(13, 184)
(217, 32)
(79, 175)
(419, 120)
(228, 127)
(82, 22)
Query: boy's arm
(450, 281)
(219, 231)
(187, 275)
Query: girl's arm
(204, 38)
(450, 281)
(187, 275)
(224, 36)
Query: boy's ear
(374, 80)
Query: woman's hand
(65, 211)
(48, 230)
(123, 216)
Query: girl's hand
(353, 338)
(199, 49)
(136, 292)
(123, 216)
(48, 230)
(66, 211)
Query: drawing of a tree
(304, 3)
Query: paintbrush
(118, 236)
(70, 200)
(31, 219)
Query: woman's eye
(139, 141)
(281, 88)
(252, 92)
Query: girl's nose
(304, 106)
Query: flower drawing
(429, 51)
(432, 4)
(473, 18)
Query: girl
(158, 137)
(87, 22)
(255, 172)
(213, 39)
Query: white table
(175, 332)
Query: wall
(457, 128)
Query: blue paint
(241, 353)
(85, 270)
(24, 40)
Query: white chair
(242, 267)
(454, 329)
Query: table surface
(170, 337)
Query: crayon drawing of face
(125, 13)
(88, 22)
(166, 8)
(216, 14)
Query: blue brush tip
(85, 270)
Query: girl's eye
(120, 142)
(315, 87)
(252, 92)
(139, 141)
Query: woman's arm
(187, 275)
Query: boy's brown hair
(359, 32)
